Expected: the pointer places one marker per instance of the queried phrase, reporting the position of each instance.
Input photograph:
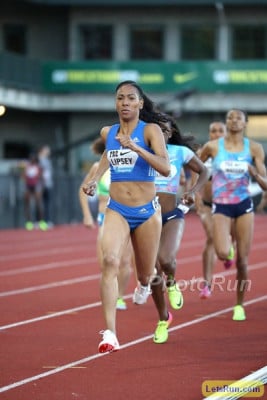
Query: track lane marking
(124, 346)
(44, 252)
(51, 285)
(44, 267)
(85, 260)
(98, 303)
(86, 278)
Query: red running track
(51, 317)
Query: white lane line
(97, 304)
(84, 260)
(50, 285)
(52, 265)
(45, 252)
(52, 315)
(69, 248)
(86, 278)
(55, 314)
(129, 344)
(70, 263)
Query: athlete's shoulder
(152, 132)
(253, 143)
(151, 127)
(255, 147)
(209, 149)
(211, 144)
(106, 129)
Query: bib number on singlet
(236, 168)
(122, 160)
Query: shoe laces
(106, 333)
(172, 288)
(162, 325)
(143, 290)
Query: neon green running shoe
(121, 304)
(175, 296)
(161, 333)
(230, 259)
(29, 226)
(43, 225)
(239, 313)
